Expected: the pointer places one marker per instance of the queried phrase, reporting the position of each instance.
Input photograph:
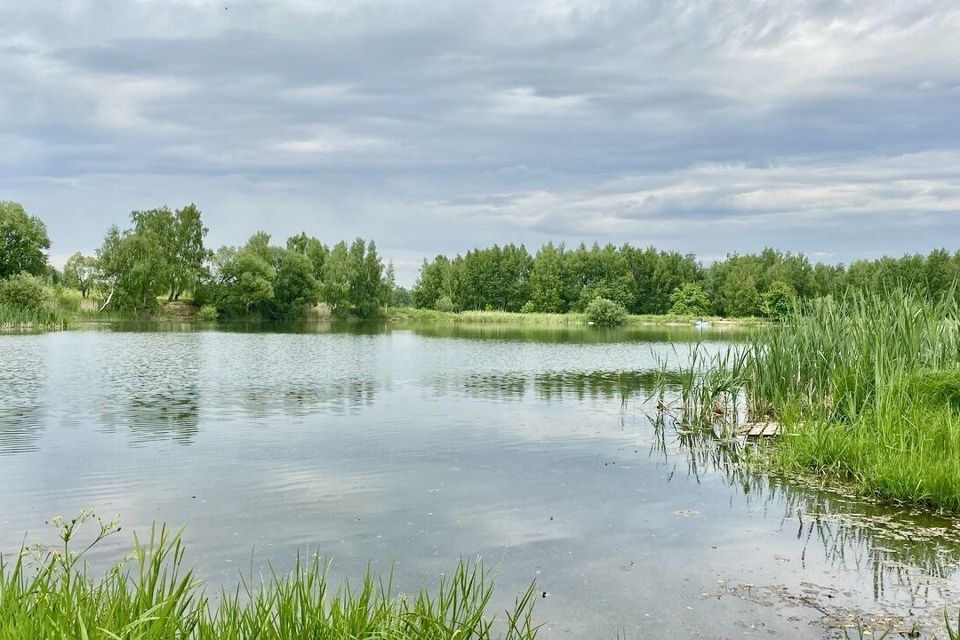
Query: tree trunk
(109, 298)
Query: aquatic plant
(14, 318)
(866, 388)
(153, 596)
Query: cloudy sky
(825, 126)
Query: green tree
(189, 254)
(546, 280)
(313, 249)
(336, 278)
(80, 272)
(738, 293)
(368, 293)
(128, 265)
(23, 241)
(243, 280)
(22, 290)
(432, 283)
(689, 299)
(294, 285)
(778, 301)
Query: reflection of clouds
(909, 559)
(309, 485)
(23, 380)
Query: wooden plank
(759, 429)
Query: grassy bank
(867, 390)
(410, 314)
(20, 319)
(154, 596)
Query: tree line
(162, 255)
(557, 279)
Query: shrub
(23, 291)
(527, 307)
(444, 303)
(208, 313)
(689, 299)
(606, 313)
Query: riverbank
(411, 314)
(68, 308)
(866, 390)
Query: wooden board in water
(759, 429)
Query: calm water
(411, 448)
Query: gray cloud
(700, 126)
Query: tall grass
(153, 596)
(866, 388)
(18, 318)
(835, 356)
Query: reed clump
(866, 389)
(15, 318)
(153, 596)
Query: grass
(153, 596)
(20, 319)
(866, 388)
(411, 314)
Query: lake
(410, 448)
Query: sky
(824, 126)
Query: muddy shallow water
(411, 448)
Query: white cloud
(706, 126)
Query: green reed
(866, 388)
(18, 318)
(152, 595)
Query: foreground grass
(153, 596)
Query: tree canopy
(23, 241)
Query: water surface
(411, 448)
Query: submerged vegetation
(153, 595)
(866, 389)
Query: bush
(606, 313)
(527, 307)
(689, 299)
(23, 291)
(445, 304)
(208, 313)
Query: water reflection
(579, 334)
(151, 386)
(911, 554)
(398, 446)
(23, 380)
(556, 385)
(347, 395)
